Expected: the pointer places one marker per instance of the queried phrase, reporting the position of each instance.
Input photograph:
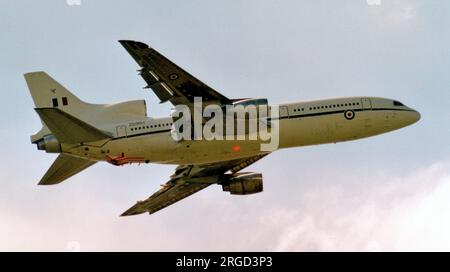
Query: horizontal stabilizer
(68, 129)
(63, 168)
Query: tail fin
(68, 129)
(63, 168)
(47, 93)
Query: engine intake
(244, 184)
(50, 144)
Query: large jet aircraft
(84, 134)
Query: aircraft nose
(414, 117)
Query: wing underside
(166, 196)
(63, 168)
(188, 180)
(68, 129)
(168, 80)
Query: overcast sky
(390, 192)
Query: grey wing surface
(167, 80)
(188, 180)
(63, 168)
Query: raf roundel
(173, 76)
(349, 115)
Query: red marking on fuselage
(121, 160)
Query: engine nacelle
(50, 144)
(257, 107)
(244, 184)
(252, 101)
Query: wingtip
(48, 182)
(134, 44)
(135, 210)
(130, 213)
(30, 74)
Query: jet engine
(261, 105)
(251, 101)
(244, 184)
(50, 144)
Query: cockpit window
(397, 103)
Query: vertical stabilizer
(47, 92)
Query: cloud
(387, 213)
(380, 211)
(395, 11)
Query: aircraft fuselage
(149, 140)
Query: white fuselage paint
(301, 124)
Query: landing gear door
(366, 103)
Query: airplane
(122, 133)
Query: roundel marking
(349, 114)
(173, 76)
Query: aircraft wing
(63, 168)
(167, 80)
(188, 180)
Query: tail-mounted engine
(50, 144)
